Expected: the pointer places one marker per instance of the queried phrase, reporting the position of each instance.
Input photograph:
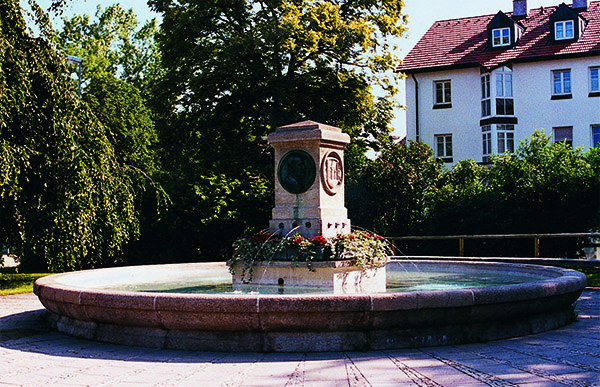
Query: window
(504, 105)
(567, 25)
(443, 147)
(501, 37)
(506, 138)
(486, 106)
(486, 132)
(503, 32)
(500, 85)
(564, 30)
(595, 136)
(443, 92)
(502, 88)
(563, 134)
(497, 138)
(504, 85)
(595, 80)
(561, 82)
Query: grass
(12, 282)
(592, 274)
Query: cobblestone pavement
(32, 355)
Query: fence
(462, 238)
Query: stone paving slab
(32, 355)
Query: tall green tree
(235, 70)
(66, 201)
(120, 65)
(113, 43)
(545, 186)
(392, 194)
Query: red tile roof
(462, 42)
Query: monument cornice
(309, 131)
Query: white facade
(558, 96)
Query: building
(475, 86)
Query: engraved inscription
(332, 173)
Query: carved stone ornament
(332, 173)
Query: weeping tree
(237, 69)
(67, 203)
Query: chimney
(580, 5)
(519, 9)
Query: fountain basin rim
(309, 322)
(559, 280)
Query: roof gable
(460, 43)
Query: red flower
(296, 240)
(318, 240)
(260, 238)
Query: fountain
(335, 306)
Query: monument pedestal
(309, 201)
(309, 189)
(340, 277)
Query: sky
(421, 15)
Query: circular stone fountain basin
(91, 304)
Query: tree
(114, 44)
(66, 201)
(121, 66)
(391, 195)
(235, 70)
(461, 203)
(543, 187)
(249, 66)
(127, 120)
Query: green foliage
(391, 194)
(120, 65)
(365, 250)
(543, 187)
(66, 201)
(234, 71)
(113, 45)
(122, 111)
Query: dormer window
(566, 25)
(564, 30)
(501, 37)
(503, 32)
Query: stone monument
(309, 187)
(309, 200)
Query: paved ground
(32, 355)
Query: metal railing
(461, 239)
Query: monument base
(340, 276)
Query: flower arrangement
(364, 249)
